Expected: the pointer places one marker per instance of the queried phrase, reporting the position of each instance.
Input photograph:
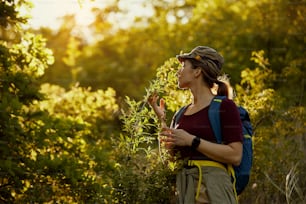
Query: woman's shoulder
(228, 103)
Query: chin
(180, 87)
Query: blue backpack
(241, 173)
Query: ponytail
(222, 88)
(211, 76)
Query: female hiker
(204, 177)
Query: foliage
(66, 48)
(63, 143)
(20, 69)
(53, 142)
(70, 148)
(9, 15)
(235, 28)
(144, 171)
(53, 147)
(272, 131)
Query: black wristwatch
(195, 143)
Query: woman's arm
(225, 153)
(230, 153)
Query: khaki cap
(205, 55)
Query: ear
(197, 72)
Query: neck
(201, 96)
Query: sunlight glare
(49, 12)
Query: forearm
(230, 153)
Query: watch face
(195, 142)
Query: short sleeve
(231, 125)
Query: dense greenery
(74, 123)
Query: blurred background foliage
(74, 123)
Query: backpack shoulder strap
(177, 116)
(214, 117)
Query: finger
(150, 100)
(156, 97)
(162, 104)
(167, 140)
(153, 98)
(166, 129)
(169, 145)
(166, 134)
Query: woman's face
(185, 74)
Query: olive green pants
(216, 186)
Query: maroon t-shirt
(198, 124)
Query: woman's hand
(158, 109)
(175, 137)
(230, 153)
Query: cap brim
(184, 56)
